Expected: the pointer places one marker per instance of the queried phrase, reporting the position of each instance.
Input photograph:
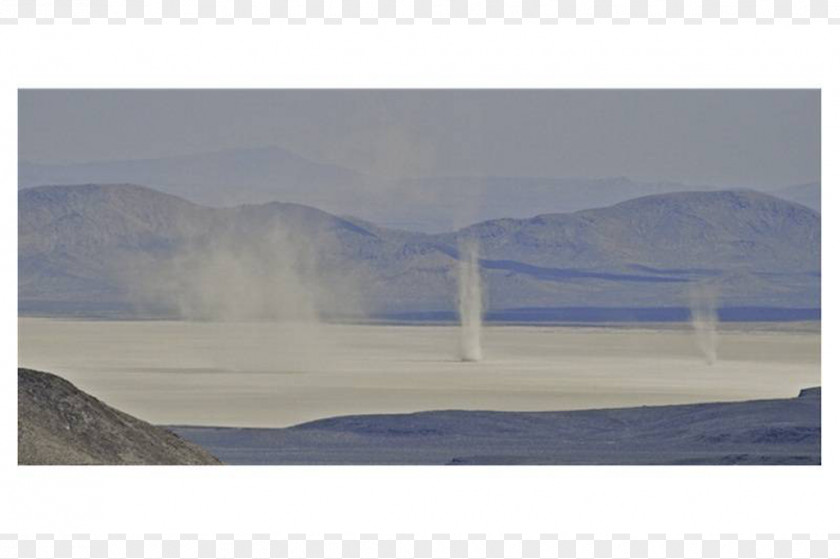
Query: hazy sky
(756, 138)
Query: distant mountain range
(123, 250)
(435, 204)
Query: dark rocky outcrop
(60, 424)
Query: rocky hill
(808, 194)
(681, 230)
(60, 424)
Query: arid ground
(269, 375)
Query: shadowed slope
(60, 424)
(782, 431)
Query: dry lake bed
(271, 375)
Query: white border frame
(360, 499)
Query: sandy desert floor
(269, 375)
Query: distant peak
(101, 188)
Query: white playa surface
(269, 375)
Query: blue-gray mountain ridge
(125, 250)
(759, 432)
(429, 204)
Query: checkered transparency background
(480, 12)
(410, 546)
